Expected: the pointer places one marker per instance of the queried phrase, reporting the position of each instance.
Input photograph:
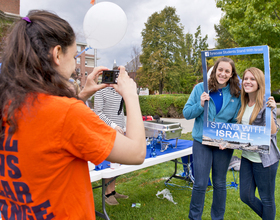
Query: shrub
(163, 105)
(276, 97)
(166, 106)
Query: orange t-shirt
(43, 166)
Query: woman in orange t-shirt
(47, 133)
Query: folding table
(184, 148)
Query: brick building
(84, 64)
(9, 13)
(10, 6)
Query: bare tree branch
(134, 64)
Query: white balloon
(104, 25)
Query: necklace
(220, 91)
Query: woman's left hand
(119, 129)
(271, 103)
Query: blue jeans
(254, 175)
(204, 158)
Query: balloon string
(87, 48)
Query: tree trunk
(160, 89)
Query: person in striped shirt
(107, 105)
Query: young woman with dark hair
(224, 103)
(47, 134)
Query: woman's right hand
(204, 97)
(126, 86)
(129, 149)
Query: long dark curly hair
(27, 65)
(233, 81)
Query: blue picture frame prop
(238, 136)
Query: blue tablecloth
(181, 144)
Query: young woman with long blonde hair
(258, 170)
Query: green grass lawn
(142, 186)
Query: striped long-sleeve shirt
(106, 106)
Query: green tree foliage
(171, 61)
(5, 25)
(188, 48)
(161, 47)
(193, 45)
(253, 23)
(198, 45)
(224, 38)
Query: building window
(79, 48)
(86, 62)
(78, 60)
(86, 73)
